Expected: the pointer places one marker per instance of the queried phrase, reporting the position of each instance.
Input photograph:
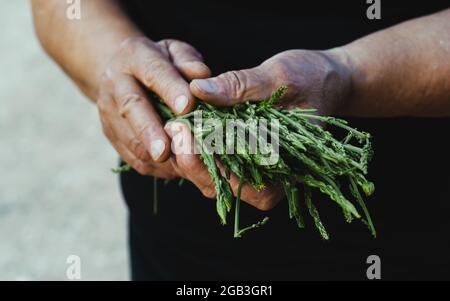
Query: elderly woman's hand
(129, 119)
(317, 79)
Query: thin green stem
(355, 191)
(237, 208)
(121, 169)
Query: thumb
(234, 87)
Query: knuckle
(169, 174)
(163, 47)
(282, 72)
(208, 192)
(130, 45)
(143, 169)
(143, 131)
(106, 77)
(102, 105)
(263, 203)
(140, 171)
(236, 82)
(265, 206)
(126, 102)
(172, 44)
(138, 148)
(180, 46)
(187, 165)
(167, 42)
(154, 70)
(106, 80)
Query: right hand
(129, 120)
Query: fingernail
(207, 86)
(181, 103)
(157, 149)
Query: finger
(114, 124)
(187, 161)
(127, 137)
(158, 74)
(234, 87)
(124, 153)
(264, 199)
(134, 106)
(186, 59)
(160, 170)
(143, 168)
(163, 170)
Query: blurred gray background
(57, 194)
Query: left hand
(315, 79)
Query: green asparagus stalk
(310, 158)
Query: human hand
(314, 79)
(128, 117)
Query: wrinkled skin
(129, 120)
(135, 130)
(399, 71)
(313, 79)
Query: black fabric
(185, 241)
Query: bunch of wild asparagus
(310, 158)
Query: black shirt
(411, 206)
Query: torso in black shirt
(411, 206)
